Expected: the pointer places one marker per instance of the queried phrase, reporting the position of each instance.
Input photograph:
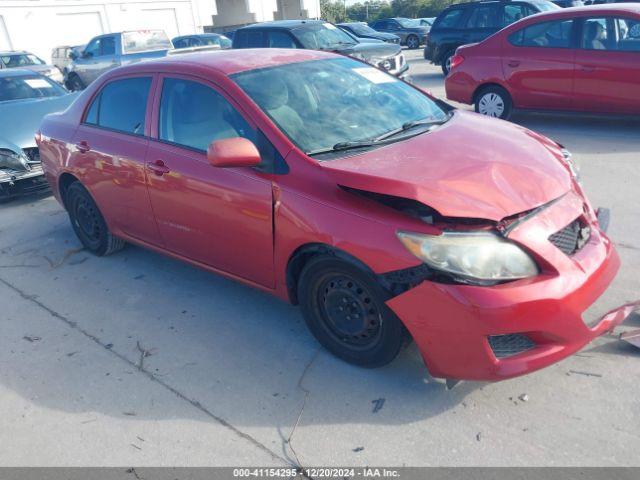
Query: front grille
(571, 238)
(509, 345)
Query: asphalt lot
(137, 359)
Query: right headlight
(480, 256)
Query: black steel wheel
(344, 309)
(88, 223)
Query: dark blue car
(361, 31)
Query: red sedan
(583, 59)
(384, 213)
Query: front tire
(494, 101)
(413, 42)
(88, 223)
(74, 83)
(344, 308)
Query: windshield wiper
(380, 140)
(408, 126)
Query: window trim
(147, 114)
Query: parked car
(384, 213)
(585, 59)
(568, 3)
(362, 31)
(61, 56)
(320, 35)
(411, 32)
(109, 51)
(22, 59)
(25, 97)
(427, 21)
(472, 22)
(201, 40)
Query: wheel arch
(65, 180)
(301, 256)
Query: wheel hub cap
(491, 104)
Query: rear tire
(494, 101)
(344, 308)
(413, 42)
(446, 62)
(88, 223)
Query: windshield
(145, 40)
(324, 36)
(20, 60)
(546, 6)
(322, 103)
(28, 86)
(362, 28)
(221, 40)
(408, 23)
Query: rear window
(121, 105)
(555, 34)
(144, 41)
(449, 19)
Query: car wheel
(413, 42)
(88, 222)
(446, 62)
(344, 308)
(495, 102)
(74, 83)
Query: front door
(608, 66)
(219, 217)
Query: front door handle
(514, 63)
(158, 167)
(83, 146)
(588, 68)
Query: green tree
(333, 11)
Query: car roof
(16, 72)
(227, 62)
(14, 52)
(283, 24)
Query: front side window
(483, 17)
(121, 105)
(322, 103)
(408, 23)
(619, 34)
(193, 115)
(28, 86)
(94, 48)
(628, 34)
(323, 36)
(449, 19)
(555, 34)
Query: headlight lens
(15, 161)
(482, 256)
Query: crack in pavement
(194, 403)
(304, 404)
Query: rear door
(538, 65)
(110, 148)
(483, 21)
(608, 65)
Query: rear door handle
(588, 68)
(83, 146)
(513, 63)
(158, 167)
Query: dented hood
(472, 166)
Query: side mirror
(233, 152)
(73, 55)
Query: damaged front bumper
(14, 183)
(493, 333)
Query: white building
(40, 25)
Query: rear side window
(278, 39)
(556, 34)
(121, 105)
(449, 19)
(484, 16)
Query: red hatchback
(584, 59)
(384, 213)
